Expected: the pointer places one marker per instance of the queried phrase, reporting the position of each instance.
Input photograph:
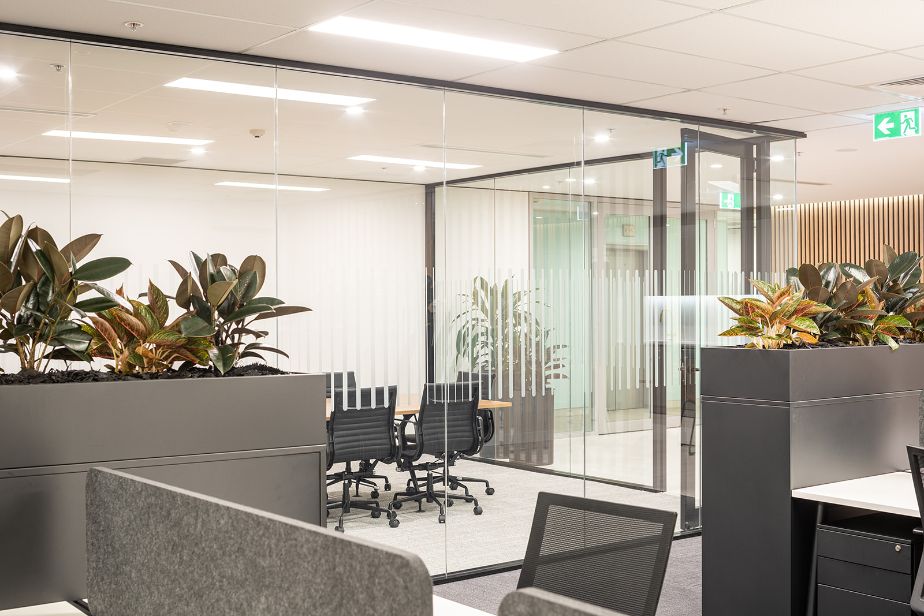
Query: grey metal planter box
(774, 421)
(259, 441)
(525, 432)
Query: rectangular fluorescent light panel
(430, 39)
(271, 186)
(79, 134)
(304, 96)
(33, 178)
(411, 162)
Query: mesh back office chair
(606, 554)
(916, 461)
(443, 428)
(335, 382)
(367, 398)
(358, 435)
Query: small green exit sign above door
(669, 157)
(729, 201)
(894, 124)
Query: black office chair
(356, 435)
(442, 428)
(367, 398)
(607, 554)
(335, 382)
(916, 462)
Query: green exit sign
(729, 201)
(895, 124)
(669, 157)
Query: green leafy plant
(39, 289)
(857, 315)
(499, 329)
(782, 319)
(224, 305)
(139, 339)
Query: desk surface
(445, 607)
(891, 493)
(413, 409)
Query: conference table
(412, 409)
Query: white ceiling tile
(601, 18)
(914, 52)
(869, 70)
(160, 25)
(355, 53)
(712, 5)
(884, 24)
(724, 107)
(279, 12)
(867, 113)
(358, 53)
(725, 37)
(805, 93)
(815, 122)
(556, 82)
(618, 59)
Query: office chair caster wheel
(388, 487)
(449, 503)
(339, 529)
(376, 514)
(375, 494)
(394, 522)
(489, 491)
(396, 505)
(478, 510)
(442, 518)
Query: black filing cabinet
(866, 565)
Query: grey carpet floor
(499, 535)
(681, 595)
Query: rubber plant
(224, 301)
(499, 328)
(40, 287)
(783, 318)
(139, 339)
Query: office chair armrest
(532, 601)
(403, 440)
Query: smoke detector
(134, 26)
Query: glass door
(724, 242)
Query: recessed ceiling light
(590, 181)
(355, 110)
(569, 180)
(79, 134)
(197, 151)
(777, 158)
(420, 168)
(271, 186)
(777, 197)
(430, 39)
(7, 73)
(538, 217)
(602, 137)
(546, 187)
(715, 166)
(373, 158)
(34, 178)
(244, 89)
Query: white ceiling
(809, 65)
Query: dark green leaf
(79, 248)
(281, 311)
(95, 304)
(248, 310)
(195, 327)
(157, 301)
(223, 357)
(101, 269)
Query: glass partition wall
(562, 262)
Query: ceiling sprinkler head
(133, 25)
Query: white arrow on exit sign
(886, 125)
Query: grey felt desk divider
(153, 550)
(535, 602)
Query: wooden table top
(413, 409)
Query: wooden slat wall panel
(848, 231)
